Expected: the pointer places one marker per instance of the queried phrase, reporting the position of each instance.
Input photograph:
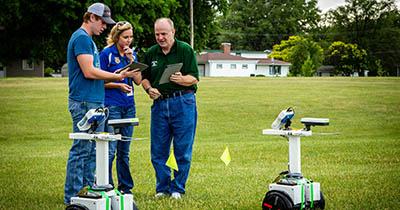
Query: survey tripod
(102, 195)
(290, 190)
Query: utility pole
(191, 25)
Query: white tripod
(102, 195)
(290, 189)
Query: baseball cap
(102, 11)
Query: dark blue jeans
(121, 148)
(81, 163)
(173, 120)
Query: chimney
(226, 47)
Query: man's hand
(177, 78)
(127, 72)
(153, 93)
(136, 73)
(184, 80)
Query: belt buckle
(178, 93)
(173, 94)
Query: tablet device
(169, 70)
(133, 66)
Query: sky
(325, 5)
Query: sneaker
(161, 195)
(176, 195)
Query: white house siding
(284, 71)
(226, 70)
(207, 70)
(264, 70)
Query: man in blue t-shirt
(86, 91)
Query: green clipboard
(169, 70)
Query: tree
(259, 24)
(29, 30)
(347, 58)
(205, 13)
(308, 68)
(297, 50)
(373, 25)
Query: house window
(27, 64)
(245, 66)
(219, 66)
(275, 70)
(233, 66)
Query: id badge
(130, 93)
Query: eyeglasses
(122, 25)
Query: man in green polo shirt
(174, 111)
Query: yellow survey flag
(171, 162)
(226, 157)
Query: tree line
(360, 35)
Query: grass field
(358, 168)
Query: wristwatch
(147, 90)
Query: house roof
(238, 51)
(268, 61)
(203, 58)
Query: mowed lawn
(356, 158)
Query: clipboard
(169, 70)
(133, 66)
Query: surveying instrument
(290, 190)
(102, 195)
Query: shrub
(48, 71)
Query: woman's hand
(128, 53)
(125, 88)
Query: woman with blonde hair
(119, 98)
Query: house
(22, 68)
(272, 68)
(243, 64)
(330, 71)
(325, 71)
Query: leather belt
(175, 94)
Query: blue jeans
(81, 163)
(125, 181)
(173, 120)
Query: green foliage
(259, 24)
(379, 68)
(347, 58)
(38, 29)
(48, 71)
(297, 50)
(205, 13)
(308, 68)
(357, 167)
(371, 24)
(30, 30)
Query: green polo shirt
(180, 52)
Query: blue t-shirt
(80, 88)
(111, 60)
